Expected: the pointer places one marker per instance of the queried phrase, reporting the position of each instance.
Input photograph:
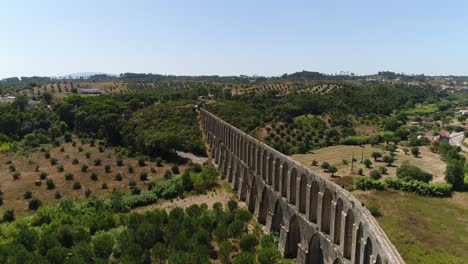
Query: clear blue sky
(224, 37)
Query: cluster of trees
(92, 232)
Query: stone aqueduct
(318, 221)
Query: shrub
(43, 175)
(119, 162)
(143, 176)
(53, 161)
(159, 162)
(374, 209)
(368, 163)
(34, 204)
(131, 183)
(419, 187)
(37, 168)
(314, 163)
(16, 175)
(248, 243)
(415, 151)
(383, 170)
(62, 149)
(94, 176)
(135, 190)
(141, 162)
(367, 184)
(130, 169)
(360, 171)
(268, 255)
(118, 176)
(84, 168)
(60, 168)
(97, 162)
(175, 169)
(388, 159)
(27, 195)
(104, 186)
(325, 166)
(88, 155)
(75, 162)
(76, 185)
(9, 215)
(107, 168)
(244, 258)
(375, 174)
(50, 184)
(168, 174)
(376, 155)
(410, 172)
(101, 149)
(88, 192)
(47, 155)
(68, 176)
(12, 168)
(332, 170)
(57, 195)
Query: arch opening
(253, 196)
(315, 251)
(348, 234)
(284, 180)
(292, 187)
(293, 239)
(277, 174)
(337, 226)
(368, 251)
(302, 193)
(326, 211)
(277, 220)
(314, 190)
(264, 204)
(357, 253)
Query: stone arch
(258, 162)
(314, 191)
(326, 211)
(315, 250)
(265, 164)
(357, 252)
(368, 251)
(378, 260)
(338, 261)
(264, 206)
(337, 226)
(236, 175)
(277, 174)
(277, 220)
(270, 169)
(348, 234)
(292, 186)
(253, 196)
(302, 193)
(284, 180)
(245, 182)
(293, 239)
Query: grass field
(423, 229)
(421, 109)
(428, 161)
(14, 189)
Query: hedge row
(419, 187)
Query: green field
(421, 109)
(424, 230)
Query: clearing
(423, 229)
(341, 154)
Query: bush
(34, 204)
(50, 184)
(60, 168)
(57, 195)
(376, 155)
(53, 161)
(168, 174)
(76, 185)
(314, 163)
(94, 176)
(159, 162)
(84, 168)
(383, 170)
(104, 186)
(27, 195)
(107, 168)
(119, 162)
(88, 155)
(97, 162)
(130, 169)
(248, 243)
(419, 187)
(175, 169)
(88, 192)
(325, 166)
(68, 176)
(9, 215)
(16, 175)
(367, 184)
(268, 255)
(374, 209)
(244, 258)
(415, 151)
(132, 183)
(75, 162)
(141, 162)
(367, 163)
(375, 174)
(12, 168)
(409, 172)
(118, 177)
(143, 176)
(47, 155)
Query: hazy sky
(224, 37)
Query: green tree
(454, 173)
(103, 244)
(332, 170)
(57, 255)
(388, 159)
(244, 258)
(248, 243)
(375, 174)
(376, 155)
(368, 163)
(268, 255)
(225, 250)
(415, 151)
